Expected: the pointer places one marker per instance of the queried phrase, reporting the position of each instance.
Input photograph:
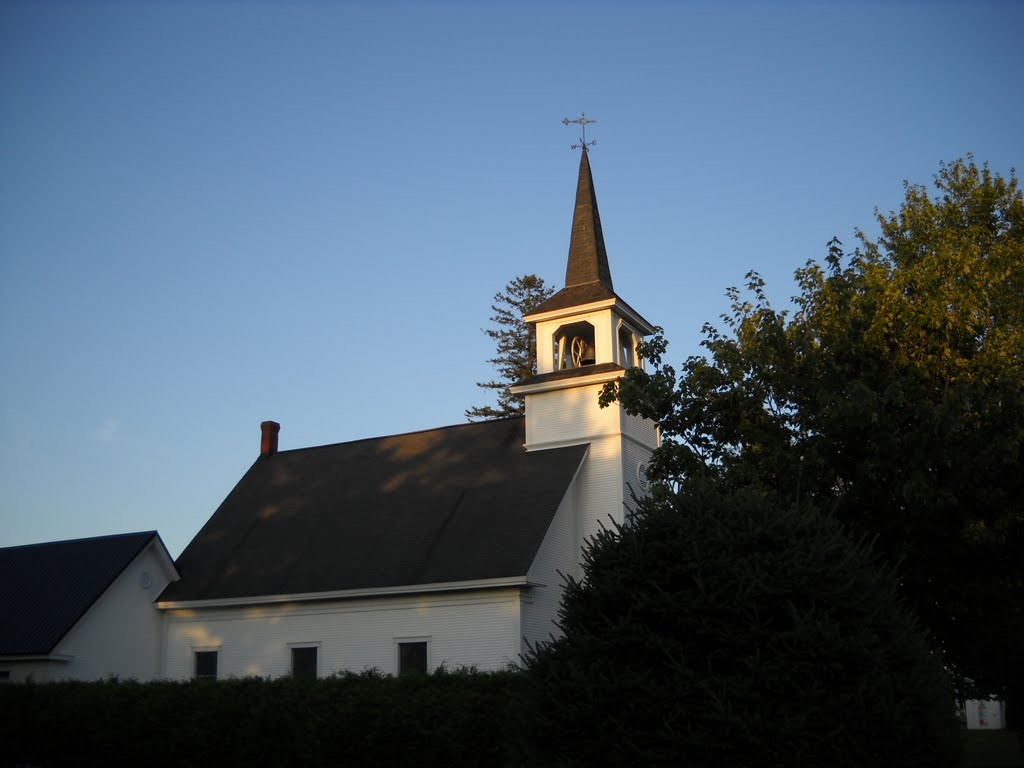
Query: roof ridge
(81, 539)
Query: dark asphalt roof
(452, 504)
(576, 296)
(46, 588)
(588, 277)
(588, 259)
(579, 295)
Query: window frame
(206, 652)
(412, 641)
(293, 647)
(626, 342)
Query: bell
(583, 352)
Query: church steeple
(585, 329)
(587, 336)
(588, 260)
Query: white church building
(412, 551)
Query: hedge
(448, 718)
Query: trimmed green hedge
(448, 718)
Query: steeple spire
(585, 329)
(588, 260)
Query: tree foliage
(516, 348)
(893, 393)
(722, 629)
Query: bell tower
(587, 336)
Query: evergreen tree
(722, 628)
(515, 342)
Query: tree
(516, 354)
(893, 394)
(721, 628)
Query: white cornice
(347, 594)
(566, 383)
(616, 304)
(59, 658)
(578, 309)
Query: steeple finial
(583, 121)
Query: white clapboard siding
(558, 555)
(619, 444)
(479, 628)
(640, 438)
(566, 416)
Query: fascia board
(568, 383)
(346, 594)
(164, 558)
(618, 305)
(578, 309)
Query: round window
(641, 475)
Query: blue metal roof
(46, 588)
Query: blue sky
(217, 213)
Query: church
(443, 547)
(437, 547)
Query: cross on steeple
(583, 121)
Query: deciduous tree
(893, 394)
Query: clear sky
(217, 213)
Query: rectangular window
(5, 676)
(206, 665)
(412, 658)
(304, 663)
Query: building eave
(56, 658)
(347, 594)
(615, 303)
(555, 314)
(159, 549)
(528, 388)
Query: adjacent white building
(83, 609)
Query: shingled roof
(46, 588)
(588, 260)
(587, 273)
(456, 504)
(588, 278)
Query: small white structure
(984, 714)
(83, 609)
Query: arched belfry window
(574, 346)
(627, 348)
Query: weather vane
(583, 121)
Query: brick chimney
(268, 444)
